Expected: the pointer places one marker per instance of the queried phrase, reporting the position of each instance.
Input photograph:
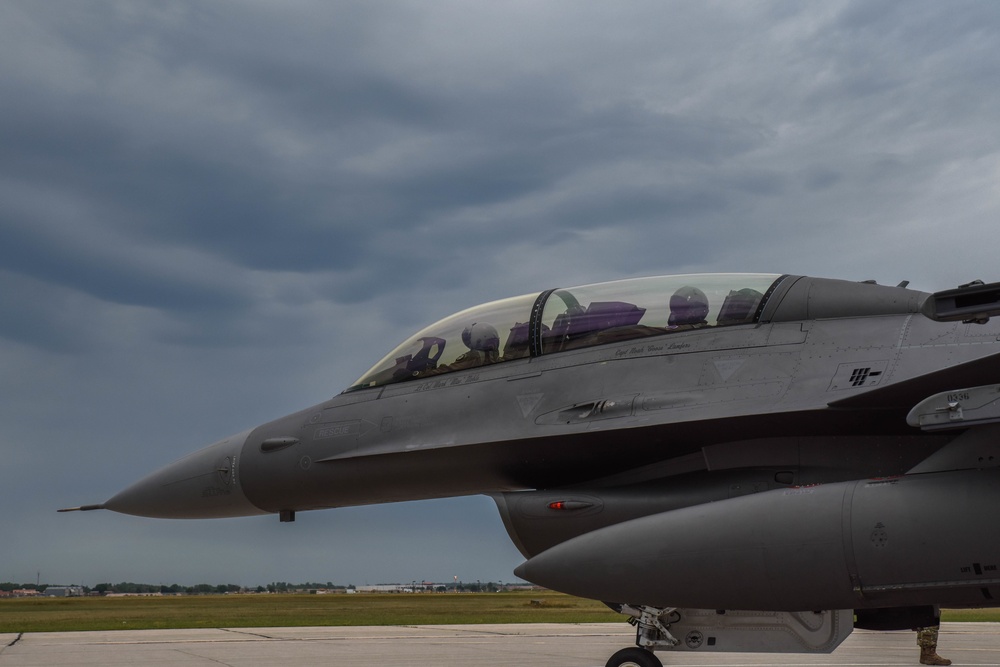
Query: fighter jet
(736, 462)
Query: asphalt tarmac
(538, 645)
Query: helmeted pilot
(483, 342)
(688, 308)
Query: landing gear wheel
(634, 657)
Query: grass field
(247, 611)
(217, 611)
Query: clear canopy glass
(577, 317)
(609, 312)
(440, 348)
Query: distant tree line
(488, 587)
(129, 587)
(176, 589)
(285, 587)
(9, 586)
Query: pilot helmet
(481, 336)
(688, 305)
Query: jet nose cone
(202, 485)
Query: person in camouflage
(927, 639)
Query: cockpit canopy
(565, 319)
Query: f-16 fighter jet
(739, 462)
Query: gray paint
(676, 469)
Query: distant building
(63, 591)
(386, 588)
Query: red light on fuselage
(569, 505)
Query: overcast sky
(215, 213)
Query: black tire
(634, 657)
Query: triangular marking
(528, 402)
(726, 367)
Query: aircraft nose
(205, 484)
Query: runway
(538, 645)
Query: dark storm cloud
(35, 318)
(199, 171)
(36, 251)
(216, 186)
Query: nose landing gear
(650, 634)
